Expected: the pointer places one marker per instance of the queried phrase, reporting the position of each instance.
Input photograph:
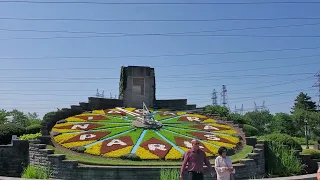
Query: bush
(33, 129)
(315, 154)
(282, 161)
(29, 136)
(9, 129)
(250, 130)
(34, 172)
(303, 141)
(283, 139)
(172, 174)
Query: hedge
(9, 129)
(283, 139)
(315, 154)
(33, 129)
(250, 130)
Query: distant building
(137, 85)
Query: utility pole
(317, 84)
(224, 96)
(214, 98)
(306, 131)
(99, 95)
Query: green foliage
(303, 141)
(29, 136)
(237, 118)
(250, 130)
(35, 172)
(313, 119)
(3, 115)
(281, 160)
(283, 123)
(282, 139)
(304, 102)
(9, 129)
(315, 154)
(132, 157)
(222, 111)
(172, 174)
(260, 119)
(33, 129)
(49, 115)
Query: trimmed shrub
(250, 130)
(29, 136)
(303, 141)
(315, 154)
(33, 129)
(284, 139)
(9, 129)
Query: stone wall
(14, 158)
(253, 166)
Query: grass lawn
(95, 160)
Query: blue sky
(44, 84)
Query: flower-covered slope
(110, 133)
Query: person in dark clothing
(195, 158)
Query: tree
(3, 116)
(261, 120)
(237, 118)
(222, 111)
(33, 118)
(304, 102)
(283, 123)
(19, 118)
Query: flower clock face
(128, 133)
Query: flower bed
(111, 133)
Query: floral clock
(124, 133)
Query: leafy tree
(19, 118)
(283, 123)
(33, 118)
(237, 118)
(303, 101)
(3, 115)
(261, 120)
(222, 111)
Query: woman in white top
(223, 165)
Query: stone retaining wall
(14, 158)
(253, 166)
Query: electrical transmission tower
(100, 95)
(224, 96)
(318, 86)
(261, 108)
(240, 110)
(214, 98)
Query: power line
(186, 35)
(242, 76)
(163, 55)
(158, 20)
(158, 3)
(155, 34)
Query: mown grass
(96, 160)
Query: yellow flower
(63, 124)
(74, 144)
(95, 149)
(209, 121)
(196, 115)
(119, 152)
(130, 109)
(74, 119)
(145, 154)
(228, 132)
(221, 125)
(64, 130)
(211, 148)
(98, 112)
(218, 143)
(181, 113)
(63, 137)
(230, 138)
(173, 154)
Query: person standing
(195, 158)
(318, 174)
(223, 165)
